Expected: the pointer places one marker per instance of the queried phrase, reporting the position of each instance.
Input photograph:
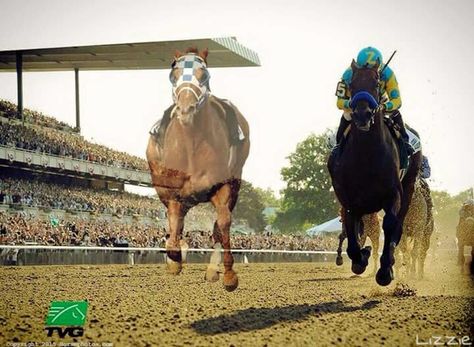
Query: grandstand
(59, 189)
(44, 203)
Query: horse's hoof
(231, 281)
(212, 275)
(358, 269)
(384, 276)
(174, 267)
(366, 252)
(339, 260)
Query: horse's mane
(194, 50)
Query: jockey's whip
(388, 61)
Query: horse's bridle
(374, 103)
(189, 63)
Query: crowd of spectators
(41, 193)
(49, 140)
(21, 228)
(9, 110)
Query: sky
(304, 47)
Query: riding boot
(160, 129)
(343, 124)
(397, 119)
(234, 131)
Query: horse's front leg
(360, 258)
(176, 213)
(212, 273)
(392, 229)
(223, 201)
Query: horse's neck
(376, 133)
(370, 143)
(205, 127)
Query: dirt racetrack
(312, 304)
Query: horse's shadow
(261, 318)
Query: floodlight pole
(78, 111)
(19, 84)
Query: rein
(374, 104)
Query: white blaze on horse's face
(190, 81)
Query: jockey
(390, 93)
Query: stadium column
(78, 112)
(19, 83)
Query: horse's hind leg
(472, 259)
(342, 237)
(224, 201)
(374, 239)
(460, 253)
(422, 255)
(176, 213)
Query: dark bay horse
(365, 175)
(197, 163)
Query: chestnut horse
(417, 231)
(365, 175)
(465, 233)
(196, 162)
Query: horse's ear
(354, 65)
(177, 54)
(203, 54)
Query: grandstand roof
(223, 52)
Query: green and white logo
(67, 313)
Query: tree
(446, 209)
(308, 197)
(268, 196)
(250, 205)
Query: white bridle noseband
(189, 64)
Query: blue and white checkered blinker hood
(189, 64)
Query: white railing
(158, 249)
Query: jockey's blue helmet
(369, 56)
